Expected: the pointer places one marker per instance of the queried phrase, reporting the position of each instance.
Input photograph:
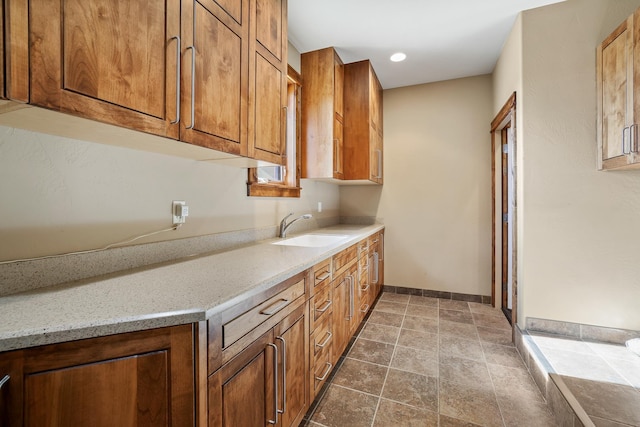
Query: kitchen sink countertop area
(182, 291)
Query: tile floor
(423, 361)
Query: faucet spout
(284, 226)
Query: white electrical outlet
(180, 212)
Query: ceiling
(443, 39)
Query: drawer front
(321, 305)
(321, 339)
(320, 372)
(363, 248)
(342, 260)
(241, 325)
(321, 274)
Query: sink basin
(313, 240)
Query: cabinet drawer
(321, 274)
(321, 371)
(363, 248)
(342, 260)
(241, 325)
(321, 305)
(321, 338)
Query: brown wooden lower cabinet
(264, 384)
(133, 379)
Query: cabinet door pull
(365, 309)
(366, 288)
(276, 307)
(326, 340)
(376, 258)
(4, 380)
(324, 275)
(275, 383)
(324, 376)
(336, 161)
(284, 375)
(178, 71)
(624, 146)
(351, 297)
(325, 307)
(382, 247)
(193, 86)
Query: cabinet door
(115, 61)
(293, 367)
(338, 148)
(343, 312)
(215, 74)
(251, 371)
(11, 389)
(138, 379)
(338, 86)
(268, 82)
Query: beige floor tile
(601, 422)
(426, 301)
(421, 340)
(414, 360)
(342, 407)
(396, 414)
(502, 355)
(372, 351)
(459, 347)
(496, 336)
(361, 376)
(390, 307)
(422, 324)
(453, 422)
(525, 413)
(457, 329)
(389, 319)
(381, 333)
(399, 298)
(516, 382)
(411, 389)
(466, 372)
(476, 307)
(449, 304)
(491, 321)
(476, 405)
(456, 316)
(422, 311)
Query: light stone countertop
(173, 293)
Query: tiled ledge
(585, 382)
(483, 299)
(29, 275)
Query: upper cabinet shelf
(618, 107)
(206, 73)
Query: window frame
(284, 189)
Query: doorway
(504, 208)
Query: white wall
(580, 233)
(436, 198)
(61, 195)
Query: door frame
(505, 118)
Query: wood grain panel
(269, 26)
(269, 121)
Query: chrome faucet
(284, 226)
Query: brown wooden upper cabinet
(618, 80)
(363, 135)
(322, 115)
(209, 73)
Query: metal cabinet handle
(275, 383)
(376, 258)
(4, 380)
(325, 307)
(624, 146)
(326, 340)
(324, 376)
(351, 297)
(178, 71)
(335, 155)
(284, 375)
(276, 307)
(365, 309)
(193, 86)
(366, 288)
(325, 275)
(382, 247)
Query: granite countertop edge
(146, 298)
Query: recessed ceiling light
(397, 57)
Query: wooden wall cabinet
(133, 379)
(363, 134)
(205, 72)
(618, 107)
(323, 115)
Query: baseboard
(483, 299)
